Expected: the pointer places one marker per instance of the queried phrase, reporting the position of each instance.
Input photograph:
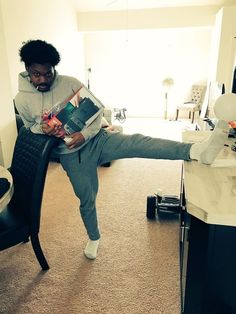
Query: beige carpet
(137, 269)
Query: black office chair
(20, 220)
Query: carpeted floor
(137, 268)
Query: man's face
(41, 76)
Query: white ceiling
(112, 5)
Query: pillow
(105, 123)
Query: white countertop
(5, 199)
(210, 190)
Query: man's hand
(54, 130)
(77, 140)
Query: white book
(76, 112)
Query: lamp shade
(225, 107)
(168, 82)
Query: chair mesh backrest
(28, 169)
(197, 93)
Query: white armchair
(107, 124)
(195, 103)
(107, 114)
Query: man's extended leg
(119, 146)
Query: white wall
(225, 48)
(223, 57)
(128, 66)
(169, 17)
(7, 116)
(54, 21)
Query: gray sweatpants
(81, 166)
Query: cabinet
(208, 268)
(208, 237)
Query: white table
(210, 191)
(5, 199)
(208, 232)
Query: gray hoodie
(31, 104)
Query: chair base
(38, 252)
(191, 115)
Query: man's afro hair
(39, 51)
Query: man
(40, 86)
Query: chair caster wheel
(151, 207)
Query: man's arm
(28, 121)
(78, 138)
(93, 128)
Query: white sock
(206, 151)
(91, 249)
